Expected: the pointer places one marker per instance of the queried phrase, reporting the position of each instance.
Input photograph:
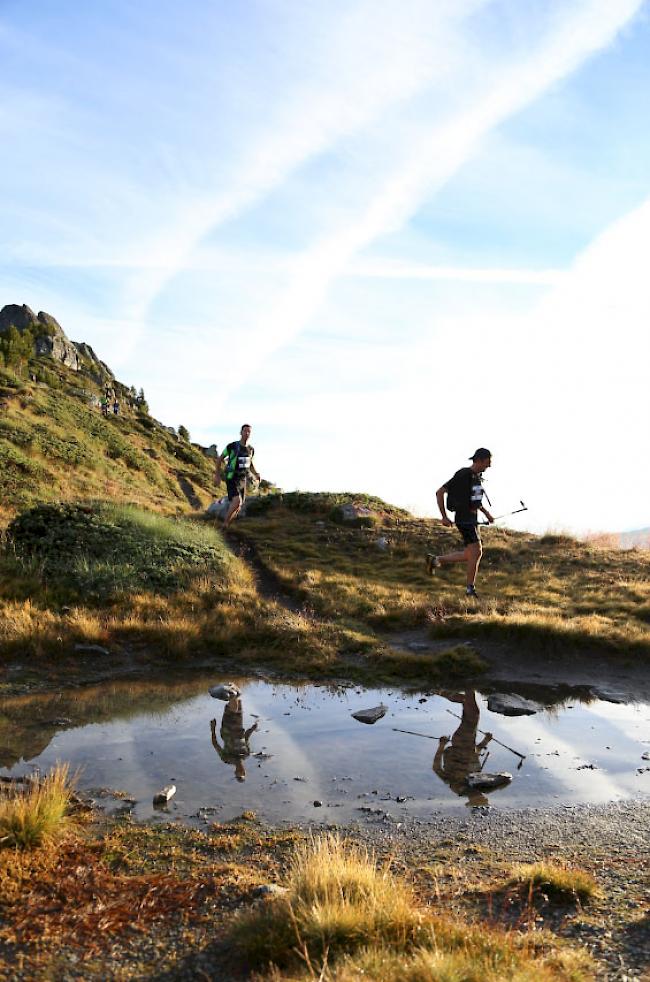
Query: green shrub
(104, 551)
(16, 432)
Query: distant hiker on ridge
(464, 497)
(238, 461)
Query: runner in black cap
(464, 497)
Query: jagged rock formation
(99, 368)
(50, 340)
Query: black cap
(481, 454)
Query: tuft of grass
(557, 883)
(463, 954)
(39, 814)
(346, 920)
(337, 901)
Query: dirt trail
(188, 490)
(268, 583)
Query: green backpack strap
(232, 461)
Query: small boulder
(370, 715)
(481, 781)
(218, 509)
(352, 514)
(225, 691)
(92, 649)
(268, 890)
(163, 796)
(608, 695)
(509, 704)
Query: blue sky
(384, 233)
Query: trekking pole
(413, 733)
(507, 514)
(522, 757)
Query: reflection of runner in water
(459, 755)
(235, 738)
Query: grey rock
(509, 704)
(51, 340)
(646, 755)
(382, 543)
(608, 695)
(98, 368)
(163, 796)
(485, 782)
(218, 509)
(269, 890)
(21, 316)
(211, 451)
(92, 649)
(357, 514)
(370, 715)
(225, 691)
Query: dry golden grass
(552, 592)
(344, 919)
(337, 900)
(556, 883)
(38, 813)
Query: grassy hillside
(56, 445)
(550, 592)
(312, 594)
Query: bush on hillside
(326, 503)
(103, 551)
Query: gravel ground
(610, 841)
(455, 861)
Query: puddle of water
(307, 747)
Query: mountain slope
(56, 444)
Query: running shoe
(471, 592)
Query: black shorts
(236, 489)
(469, 532)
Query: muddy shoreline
(507, 667)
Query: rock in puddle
(485, 782)
(509, 704)
(225, 691)
(370, 715)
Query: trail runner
(235, 464)
(465, 490)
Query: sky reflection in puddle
(308, 748)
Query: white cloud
(435, 151)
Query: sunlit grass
(345, 919)
(557, 883)
(552, 593)
(37, 813)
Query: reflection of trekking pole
(507, 514)
(412, 733)
(522, 757)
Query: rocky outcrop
(99, 369)
(21, 317)
(49, 337)
(50, 340)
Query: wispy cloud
(434, 153)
